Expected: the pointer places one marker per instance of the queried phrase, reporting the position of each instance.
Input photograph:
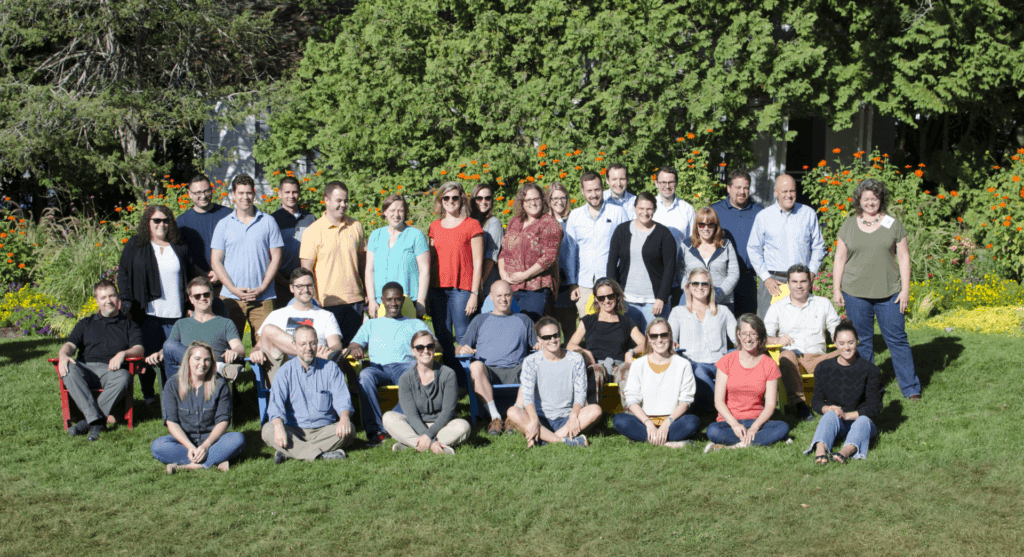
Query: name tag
(888, 221)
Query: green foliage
(74, 257)
(17, 247)
(29, 311)
(940, 295)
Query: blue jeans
(448, 311)
(859, 433)
(372, 377)
(705, 375)
(647, 311)
(862, 312)
(349, 318)
(772, 431)
(532, 302)
(631, 426)
(174, 351)
(168, 450)
(154, 333)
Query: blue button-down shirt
(593, 237)
(309, 398)
(246, 250)
(627, 202)
(780, 240)
(737, 224)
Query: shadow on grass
(25, 349)
(891, 416)
(929, 358)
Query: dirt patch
(10, 332)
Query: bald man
(783, 235)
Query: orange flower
(921, 165)
(500, 197)
(858, 154)
(124, 240)
(562, 175)
(579, 168)
(543, 147)
(603, 171)
(1002, 205)
(837, 150)
(990, 190)
(505, 212)
(10, 261)
(920, 213)
(678, 139)
(399, 186)
(382, 192)
(409, 222)
(710, 130)
(542, 163)
(599, 159)
(696, 152)
(996, 167)
(919, 173)
(822, 163)
(443, 172)
(528, 179)
(824, 202)
(690, 136)
(954, 193)
(1016, 178)
(989, 246)
(721, 164)
(21, 265)
(806, 167)
(572, 201)
(940, 196)
(576, 152)
(472, 162)
(276, 172)
(10, 254)
(475, 177)
(824, 209)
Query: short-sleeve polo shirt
(334, 250)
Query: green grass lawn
(944, 478)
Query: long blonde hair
(712, 306)
(185, 371)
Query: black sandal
(839, 457)
(821, 459)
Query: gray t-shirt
(218, 331)
(500, 340)
(553, 387)
(639, 289)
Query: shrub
(27, 310)
(941, 295)
(17, 245)
(74, 256)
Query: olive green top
(871, 270)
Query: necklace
(866, 222)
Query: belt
(779, 273)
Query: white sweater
(659, 393)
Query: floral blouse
(538, 243)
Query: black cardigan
(659, 253)
(138, 277)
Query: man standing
(334, 248)
(590, 229)
(245, 255)
(798, 322)
(198, 223)
(388, 339)
(736, 215)
(616, 194)
(500, 340)
(309, 406)
(783, 235)
(293, 221)
(103, 340)
(671, 211)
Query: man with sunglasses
(617, 194)
(736, 214)
(500, 340)
(388, 340)
(198, 223)
(206, 326)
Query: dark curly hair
(876, 187)
(142, 233)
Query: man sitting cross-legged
(501, 340)
(798, 322)
(388, 339)
(309, 406)
(202, 325)
(103, 341)
(275, 336)
(553, 389)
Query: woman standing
(457, 243)
(197, 410)
(529, 258)
(642, 258)
(425, 416)
(707, 247)
(868, 282)
(481, 208)
(658, 393)
(397, 253)
(702, 328)
(568, 265)
(155, 266)
(745, 392)
(848, 395)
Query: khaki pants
(254, 312)
(308, 444)
(397, 426)
(581, 304)
(790, 365)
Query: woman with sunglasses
(658, 393)
(708, 247)
(702, 329)
(529, 256)
(457, 254)
(611, 336)
(399, 253)
(481, 208)
(565, 308)
(642, 258)
(155, 266)
(425, 416)
(745, 392)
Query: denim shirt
(195, 416)
(309, 398)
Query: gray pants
(308, 444)
(82, 377)
(764, 297)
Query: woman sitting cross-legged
(746, 388)
(553, 389)
(197, 411)
(848, 395)
(658, 393)
(425, 416)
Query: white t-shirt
(288, 319)
(168, 305)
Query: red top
(538, 243)
(744, 391)
(454, 268)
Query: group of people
(638, 289)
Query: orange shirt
(335, 251)
(744, 391)
(454, 267)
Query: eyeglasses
(700, 284)
(304, 286)
(706, 225)
(656, 336)
(450, 198)
(156, 220)
(202, 295)
(533, 201)
(201, 193)
(549, 337)
(422, 347)
(605, 298)
(748, 334)
(559, 199)
(483, 197)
